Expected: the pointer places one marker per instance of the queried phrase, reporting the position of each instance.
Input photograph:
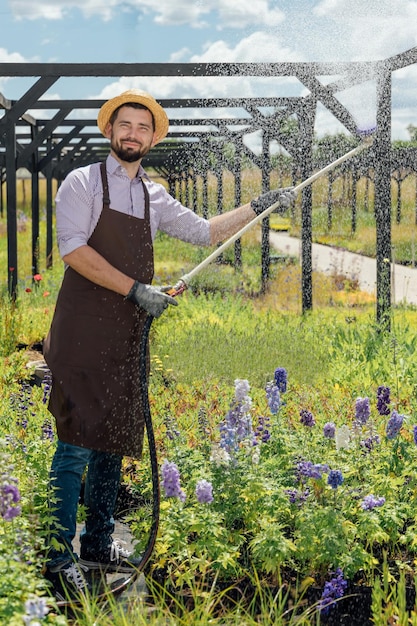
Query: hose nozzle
(177, 289)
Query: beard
(129, 155)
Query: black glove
(152, 299)
(284, 196)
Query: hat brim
(159, 115)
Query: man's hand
(284, 196)
(152, 299)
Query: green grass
(212, 337)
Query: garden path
(335, 261)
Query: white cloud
(10, 57)
(182, 55)
(59, 9)
(236, 14)
(259, 47)
(48, 9)
(245, 13)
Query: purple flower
(237, 425)
(36, 608)
(306, 418)
(297, 497)
(273, 397)
(394, 424)
(171, 481)
(47, 430)
(241, 389)
(46, 386)
(280, 376)
(333, 589)
(370, 442)
(309, 470)
(329, 430)
(335, 478)
(371, 501)
(262, 431)
(204, 492)
(383, 400)
(362, 410)
(415, 434)
(9, 497)
(171, 427)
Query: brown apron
(92, 348)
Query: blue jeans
(101, 488)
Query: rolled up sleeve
(76, 211)
(176, 220)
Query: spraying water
(361, 102)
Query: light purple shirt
(79, 202)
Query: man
(107, 216)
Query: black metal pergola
(53, 144)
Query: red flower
(28, 290)
(37, 277)
(45, 294)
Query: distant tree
(412, 131)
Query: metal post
(11, 208)
(306, 122)
(382, 147)
(35, 212)
(237, 171)
(266, 255)
(49, 221)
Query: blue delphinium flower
(383, 400)
(35, 609)
(394, 424)
(329, 430)
(362, 410)
(370, 442)
(273, 397)
(9, 497)
(371, 501)
(262, 432)
(335, 478)
(204, 492)
(237, 425)
(280, 377)
(241, 389)
(46, 386)
(171, 426)
(307, 469)
(171, 481)
(307, 418)
(47, 430)
(297, 497)
(333, 589)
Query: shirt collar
(114, 167)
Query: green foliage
(253, 531)
(211, 337)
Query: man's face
(131, 135)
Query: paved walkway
(330, 260)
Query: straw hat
(141, 97)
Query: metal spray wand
(185, 280)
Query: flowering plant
(275, 486)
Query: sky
(166, 31)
